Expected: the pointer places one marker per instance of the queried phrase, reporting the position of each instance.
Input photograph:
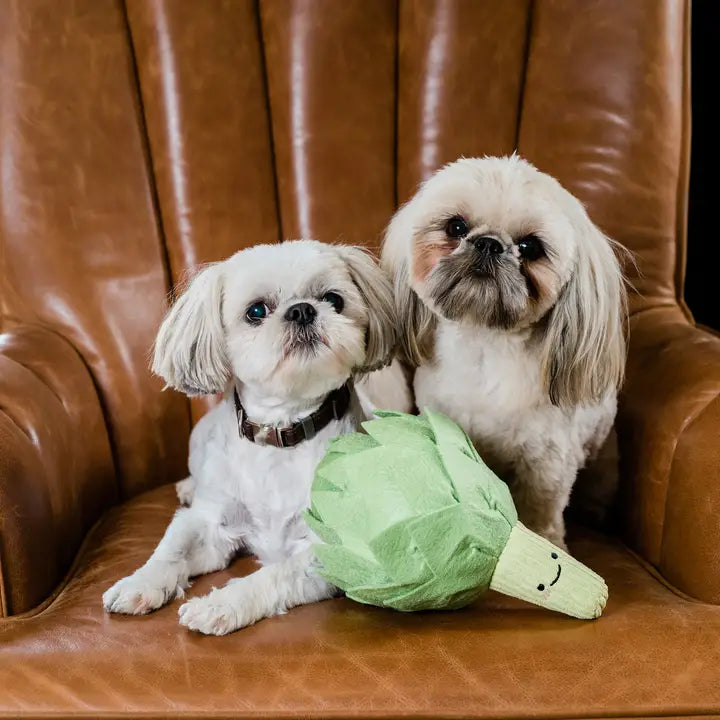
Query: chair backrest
(140, 138)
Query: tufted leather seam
(154, 199)
(523, 72)
(146, 149)
(103, 409)
(268, 109)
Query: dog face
(296, 319)
(495, 243)
(492, 246)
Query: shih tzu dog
(511, 304)
(282, 330)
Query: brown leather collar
(334, 407)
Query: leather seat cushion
(653, 652)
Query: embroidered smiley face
(541, 586)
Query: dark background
(702, 286)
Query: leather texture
(141, 137)
(652, 653)
(56, 469)
(459, 90)
(669, 449)
(82, 250)
(331, 92)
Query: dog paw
(135, 595)
(185, 490)
(211, 615)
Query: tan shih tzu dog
(511, 304)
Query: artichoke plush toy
(411, 518)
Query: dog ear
(583, 351)
(376, 291)
(416, 321)
(190, 352)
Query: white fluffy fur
(538, 398)
(244, 496)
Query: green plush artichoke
(411, 518)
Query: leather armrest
(669, 438)
(56, 468)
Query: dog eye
(457, 227)
(335, 300)
(256, 313)
(531, 248)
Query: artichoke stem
(533, 569)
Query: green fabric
(410, 517)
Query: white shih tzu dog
(511, 305)
(281, 330)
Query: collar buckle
(333, 408)
(268, 435)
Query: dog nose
(301, 313)
(487, 244)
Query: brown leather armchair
(140, 138)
